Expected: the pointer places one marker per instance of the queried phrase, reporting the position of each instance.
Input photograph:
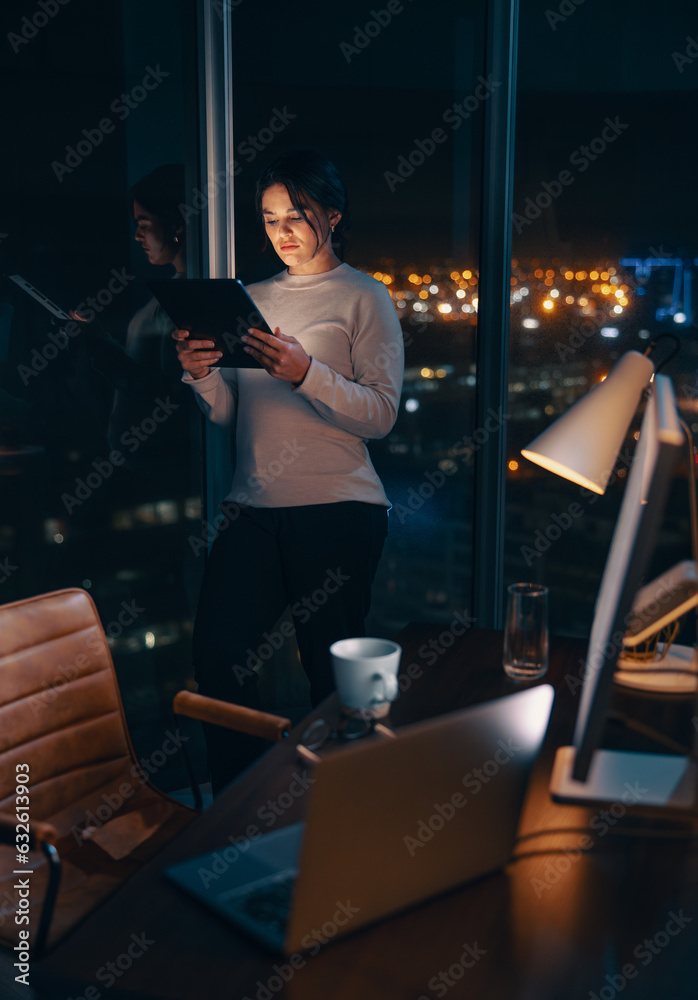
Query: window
(99, 456)
(603, 253)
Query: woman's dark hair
(161, 192)
(308, 172)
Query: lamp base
(636, 779)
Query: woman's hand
(283, 357)
(193, 354)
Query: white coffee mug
(365, 673)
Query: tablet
(217, 309)
(42, 299)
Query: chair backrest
(60, 709)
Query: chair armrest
(223, 713)
(42, 836)
(39, 832)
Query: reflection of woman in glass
(306, 514)
(155, 202)
(159, 228)
(160, 232)
(140, 372)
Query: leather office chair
(64, 747)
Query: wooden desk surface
(582, 913)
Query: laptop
(389, 822)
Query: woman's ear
(334, 217)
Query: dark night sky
(367, 108)
(601, 61)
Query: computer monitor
(584, 771)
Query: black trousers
(319, 559)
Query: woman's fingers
(194, 355)
(203, 357)
(199, 345)
(265, 343)
(283, 357)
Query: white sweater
(308, 445)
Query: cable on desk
(652, 833)
(650, 732)
(618, 830)
(552, 830)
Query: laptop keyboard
(266, 902)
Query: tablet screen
(217, 309)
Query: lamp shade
(583, 444)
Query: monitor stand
(642, 779)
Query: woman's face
(150, 233)
(302, 250)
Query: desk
(565, 922)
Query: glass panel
(603, 249)
(99, 454)
(395, 98)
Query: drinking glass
(526, 632)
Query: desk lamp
(583, 446)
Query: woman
(306, 513)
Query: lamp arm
(693, 502)
(653, 344)
(691, 478)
